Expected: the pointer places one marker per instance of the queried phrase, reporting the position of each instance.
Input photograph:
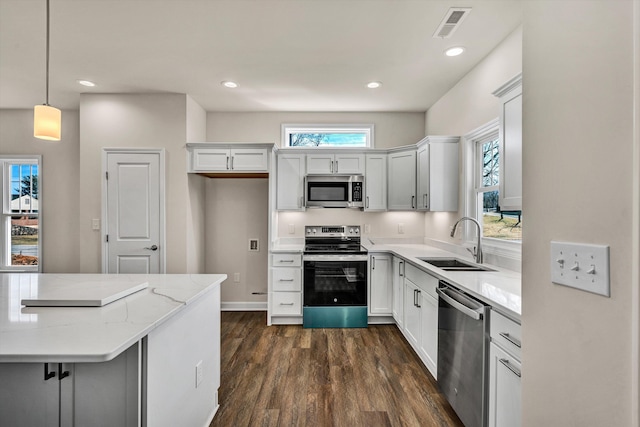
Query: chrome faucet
(477, 254)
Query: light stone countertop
(89, 334)
(500, 288)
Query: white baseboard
(243, 306)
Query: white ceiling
(286, 55)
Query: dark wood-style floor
(290, 376)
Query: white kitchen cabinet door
(505, 389)
(290, 182)
(438, 176)
(398, 291)
(428, 347)
(349, 163)
(412, 313)
(210, 159)
(510, 96)
(401, 189)
(424, 192)
(320, 164)
(26, 398)
(248, 159)
(376, 182)
(380, 285)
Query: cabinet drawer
(425, 281)
(506, 333)
(287, 260)
(287, 279)
(286, 304)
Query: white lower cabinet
(397, 283)
(285, 298)
(505, 373)
(380, 286)
(421, 315)
(97, 394)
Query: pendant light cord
(47, 56)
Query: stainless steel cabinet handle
(413, 202)
(286, 280)
(426, 200)
(331, 166)
(232, 163)
(419, 292)
(510, 367)
(286, 303)
(336, 166)
(373, 263)
(512, 340)
(152, 248)
(367, 202)
(401, 270)
(286, 260)
(48, 375)
(227, 162)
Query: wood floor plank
(291, 376)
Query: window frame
(504, 248)
(290, 128)
(6, 214)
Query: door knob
(152, 248)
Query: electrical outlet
(581, 266)
(254, 245)
(367, 228)
(292, 229)
(95, 224)
(400, 228)
(236, 277)
(199, 373)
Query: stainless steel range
(335, 278)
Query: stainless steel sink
(454, 264)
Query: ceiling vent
(451, 22)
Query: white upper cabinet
(510, 95)
(332, 163)
(438, 174)
(376, 182)
(401, 189)
(290, 182)
(214, 157)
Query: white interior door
(134, 213)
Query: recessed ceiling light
(229, 84)
(374, 85)
(454, 51)
(86, 83)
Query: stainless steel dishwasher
(463, 344)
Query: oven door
(335, 280)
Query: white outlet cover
(581, 266)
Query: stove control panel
(332, 230)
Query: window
(483, 188)
(333, 136)
(20, 230)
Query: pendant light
(47, 120)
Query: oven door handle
(473, 312)
(335, 257)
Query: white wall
(577, 186)
(196, 131)
(140, 121)
(467, 106)
(236, 211)
(391, 129)
(60, 183)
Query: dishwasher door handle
(473, 312)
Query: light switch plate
(581, 266)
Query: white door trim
(103, 228)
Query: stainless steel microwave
(334, 191)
